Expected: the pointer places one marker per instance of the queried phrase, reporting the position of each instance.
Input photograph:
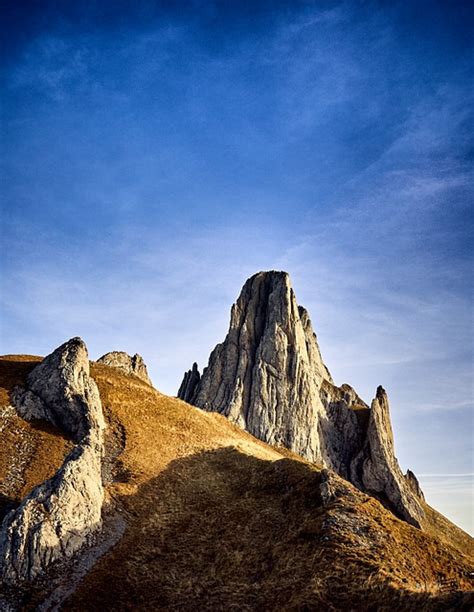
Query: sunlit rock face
(60, 515)
(60, 391)
(268, 377)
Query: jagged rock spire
(268, 377)
(375, 469)
(190, 383)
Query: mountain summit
(268, 377)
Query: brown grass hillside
(217, 520)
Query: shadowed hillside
(225, 530)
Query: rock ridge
(268, 377)
(59, 516)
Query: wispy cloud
(452, 495)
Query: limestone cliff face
(128, 364)
(268, 377)
(59, 515)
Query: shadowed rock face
(59, 515)
(190, 382)
(130, 365)
(268, 377)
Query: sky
(156, 154)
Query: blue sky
(155, 155)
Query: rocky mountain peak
(268, 376)
(267, 314)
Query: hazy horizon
(156, 156)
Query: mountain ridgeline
(269, 378)
(114, 496)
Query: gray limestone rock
(58, 516)
(376, 469)
(343, 428)
(331, 487)
(54, 520)
(56, 391)
(130, 365)
(268, 377)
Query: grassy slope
(218, 520)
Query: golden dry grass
(222, 530)
(217, 520)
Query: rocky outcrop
(59, 390)
(414, 485)
(268, 377)
(375, 469)
(190, 383)
(59, 516)
(130, 365)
